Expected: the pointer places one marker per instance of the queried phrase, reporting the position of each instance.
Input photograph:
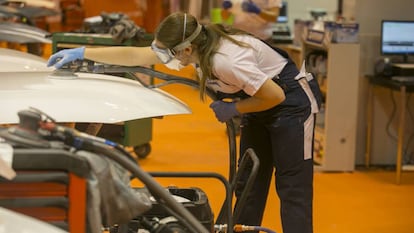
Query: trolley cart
(136, 133)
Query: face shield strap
(166, 55)
(187, 42)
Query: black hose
(171, 79)
(225, 212)
(159, 192)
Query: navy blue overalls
(278, 137)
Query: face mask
(165, 55)
(174, 64)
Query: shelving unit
(336, 128)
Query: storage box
(345, 33)
(333, 32)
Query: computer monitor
(397, 38)
(283, 16)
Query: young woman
(277, 104)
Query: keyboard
(403, 79)
(404, 65)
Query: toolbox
(135, 133)
(50, 185)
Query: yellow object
(219, 15)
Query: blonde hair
(170, 33)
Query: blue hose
(258, 228)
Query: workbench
(403, 87)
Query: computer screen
(397, 38)
(283, 16)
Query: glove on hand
(224, 110)
(249, 6)
(226, 5)
(65, 56)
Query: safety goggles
(165, 54)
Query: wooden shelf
(335, 142)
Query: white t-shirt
(251, 22)
(239, 68)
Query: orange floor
(358, 202)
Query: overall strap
(286, 78)
(290, 69)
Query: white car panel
(81, 97)
(13, 222)
(23, 33)
(14, 60)
(84, 97)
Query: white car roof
(80, 97)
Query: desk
(403, 87)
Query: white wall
(369, 13)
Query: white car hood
(23, 33)
(13, 60)
(82, 97)
(11, 221)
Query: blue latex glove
(226, 5)
(249, 6)
(65, 56)
(224, 110)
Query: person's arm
(125, 56)
(270, 14)
(269, 95)
(116, 55)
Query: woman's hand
(65, 56)
(249, 6)
(224, 111)
(226, 4)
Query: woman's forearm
(269, 95)
(270, 14)
(124, 56)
